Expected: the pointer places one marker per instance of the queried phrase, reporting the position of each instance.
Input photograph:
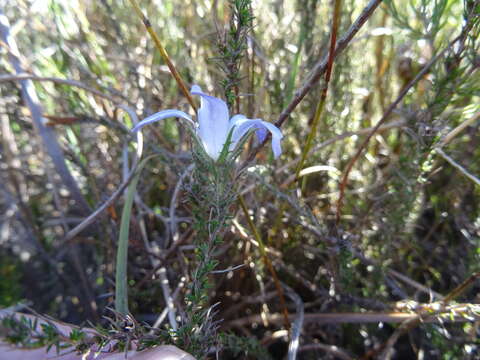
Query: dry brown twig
(460, 38)
(365, 318)
(74, 83)
(318, 71)
(435, 312)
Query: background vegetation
(389, 230)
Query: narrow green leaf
(121, 284)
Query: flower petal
(243, 125)
(213, 122)
(261, 134)
(239, 119)
(163, 115)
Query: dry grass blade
(164, 54)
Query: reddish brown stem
(318, 70)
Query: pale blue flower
(215, 125)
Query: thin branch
(232, 268)
(457, 166)
(320, 68)
(461, 288)
(94, 215)
(367, 317)
(318, 71)
(74, 83)
(323, 96)
(452, 134)
(425, 314)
